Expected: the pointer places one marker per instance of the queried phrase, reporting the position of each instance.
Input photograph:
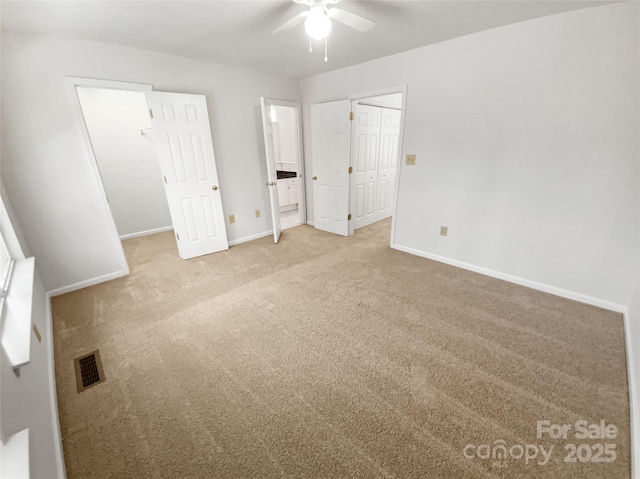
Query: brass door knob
(214, 187)
(314, 178)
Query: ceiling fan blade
(350, 19)
(294, 22)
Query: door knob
(314, 178)
(214, 187)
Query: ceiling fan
(317, 20)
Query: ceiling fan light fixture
(317, 25)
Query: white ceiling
(238, 32)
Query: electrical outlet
(411, 160)
(232, 219)
(257, 213)
(444, 230)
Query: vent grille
(88, 370)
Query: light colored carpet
(329, 357)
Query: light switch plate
(411, 160)
(444, 230)
(232, 219)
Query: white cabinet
(283, 192)
(288, 191)
(294, 190)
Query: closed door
(387, 162)
(330, 142)
(185, 152)
(367, 142)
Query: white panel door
(388, 162)
(331, 150)
(275, 193)
(367, 142)
(185, 153)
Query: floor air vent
(88, 370)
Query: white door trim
(75, 82)
(302, 203)
(359, 96)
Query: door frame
(302, 203)
(74, 83)
(354, 98)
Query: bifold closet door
(387, 162)
(367, 142)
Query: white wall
(527, 148)
(287, 134)
(28, 401)
(127, 161)
(46, 166)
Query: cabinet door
(294, 191)
(283, 192)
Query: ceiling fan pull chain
(326, 56)
(310, 47)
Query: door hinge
(178, 236)
(165, 180)
(350, 169)
(349, 217)
(150, 112)
(351, 115)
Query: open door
(185, 153)
(272, 174)
(331, 151)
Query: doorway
(286, 149)
(375, 150)
(157, 172)
(282, 128)
(120, 132)
(356, 147)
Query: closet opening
(375, 157)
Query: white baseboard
(582, 298)
(250, 238)
(87, 283)
(53, 394)
(145, 233)
(634, 400)
(310, 223)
